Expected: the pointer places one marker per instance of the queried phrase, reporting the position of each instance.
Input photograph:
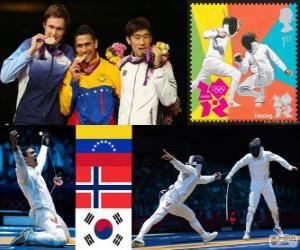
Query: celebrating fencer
(259, 58)
(258, 161)
(29, 167)
(172, 201)
(213, 62)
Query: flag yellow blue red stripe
(103, 146)
(103, 132)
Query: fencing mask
(195, 160)
(248, 39)
(233, 24)
(254, 147)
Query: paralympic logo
(212, 98)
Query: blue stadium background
(222, 146)
(62, 152)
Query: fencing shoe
(138, 242)
(209, 236)
(21, 238)
(278, 231)
(246, 236)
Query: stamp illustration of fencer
(243, 62)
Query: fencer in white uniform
(258, 58)
(29, 168)
(258, 161)
(213, 62)
(172, 201)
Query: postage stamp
(243, 62)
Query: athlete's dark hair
(136, 24)
(24, 149)
(232, 24)
(247, 39)
(58, 11)
(84, 30)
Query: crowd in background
(152, 175)
(60, 161)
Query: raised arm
(21, 167)
(42, 156)
(177, 164)
(211, 34)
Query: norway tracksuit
(39, 78)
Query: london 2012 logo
(212, 98)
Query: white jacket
(32, 182)
(217, 45)
(138, 102)
(189, 177)
(260, 60)
(259, 167)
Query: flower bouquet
(164, 50)
(115, 53)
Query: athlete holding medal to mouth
(39, 65)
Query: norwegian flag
(103, 187)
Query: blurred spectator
(152, 175)
(61, 152)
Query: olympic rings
(218, 89)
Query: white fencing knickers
(220, 68)
(246, 88)
(54, 232)
(267, 191)
(169, 203)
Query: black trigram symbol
(118, 219)
(88, 219)
(117, 240)
(89, 240)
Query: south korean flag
(103, 229)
